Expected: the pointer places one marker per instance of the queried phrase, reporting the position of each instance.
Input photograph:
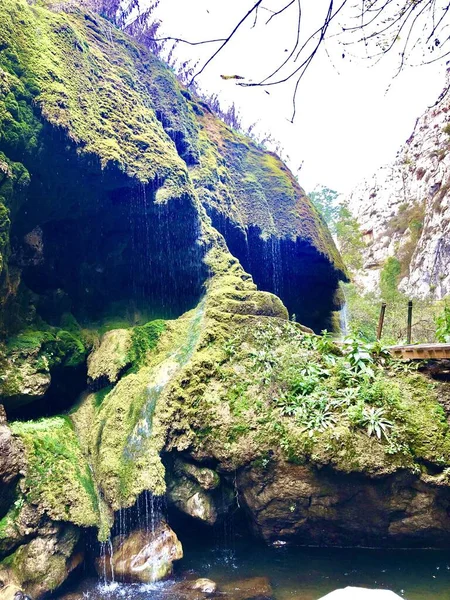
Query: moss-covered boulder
(31, 359)
(44, 563)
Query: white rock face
(356, 593)
(419, 177)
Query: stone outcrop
(110, 358)
(404, 209)
(44, 563)
(320, 506)
(142, 556)
(127, 182)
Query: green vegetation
(350, 239)
(325, 200)
(278, 387)
(36, 352)
(363, 310)
(408, 217)
(58, 479)
(443, 324)
(144, 339)
(389, 279)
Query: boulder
(205, 477)
(207, 586)
(43, 564)
(357, 593)
(12, 592)
(188, 497)
(197, 589)
(289, 502)
(142, 556)
(10, 453)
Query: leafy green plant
(375, 421)
(315, 413)
(443, 325)
(359, 356)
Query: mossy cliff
(150, 260)
(97, 136)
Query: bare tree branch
(275, 14)
(226, 41)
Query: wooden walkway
(420, 351)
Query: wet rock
(10, 453)
(205, 477)
(197, 589)
(191, 499)
(254, 588)
(12, 592)
(43, 564)
(110, 358)
(207, 586)
(290, 502)
(142, 556)
(354, 593)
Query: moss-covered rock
(111, 357)
(44, 563)
(29, 359)
(57, 477)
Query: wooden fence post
(409, 326)
(381, 320)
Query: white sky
(346, 124)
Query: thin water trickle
(343, 320)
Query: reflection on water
(299, 573)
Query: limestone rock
(298, 503)
(111, 357)
(354, 593)
(192, 500)
(142, 556)
(12, 592)
(44, 563)
(404, 210)
(198, 589)
(207, 586)
(10, 453)
(205, 477)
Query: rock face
(404, 209)
(194, 490)
(134, 223)
(310, 506)
(142, 556)
(126, 181)
(44, 563)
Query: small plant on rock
(375, 421)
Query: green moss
(252, 397)
(77, 72)
(253, 187)
(144, 339)
(57, 478)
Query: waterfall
(343, 320)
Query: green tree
(389, 278)
(349, 239)
(325, 200)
